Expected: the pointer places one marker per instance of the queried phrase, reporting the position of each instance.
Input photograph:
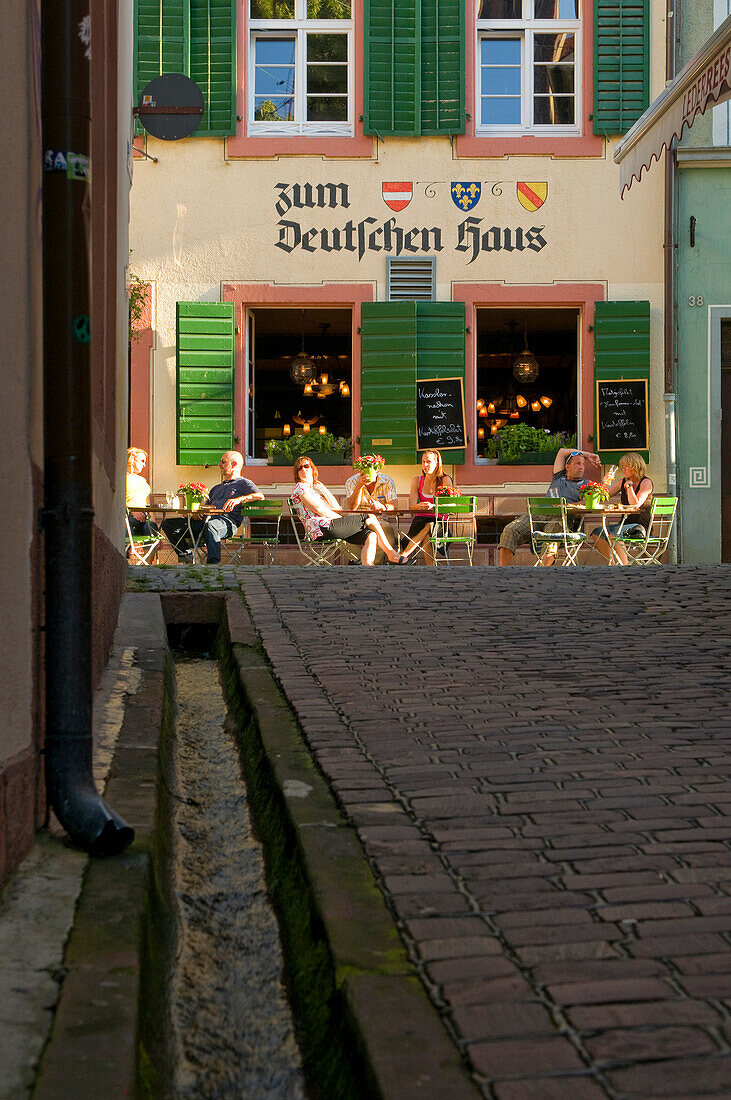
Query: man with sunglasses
(569, 477)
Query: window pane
(327, 47)
(557, 9)
(501, 9)
(272, 9)
(327, 108)
(500, 81)
(553, 47)
(500, 111)
(554, 78)
(553, 110)
(501, 51)
(327, 78)
(273, 110)
(275, 51)
(328, 9)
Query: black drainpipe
(68, 511)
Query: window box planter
(530, 458)
(320, 458)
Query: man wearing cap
(569, 477)
(370, 490)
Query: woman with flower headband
(424, 488)
(635, 490)
(322, 517)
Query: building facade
(704, 313)
(404, 192)
(22, 791)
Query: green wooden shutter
(388, 380)
(621, 64)
(442, 67)
(414, 67)
(621, 348)
(440, 347)
(205, 381)
(197, 38)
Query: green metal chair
(550, 532)
(648, 549)
(454, 525)
(316, 551)
(141, 549)
(261, 520)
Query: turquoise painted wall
(703, 270)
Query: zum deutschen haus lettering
(370, 235)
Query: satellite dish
(171, 107)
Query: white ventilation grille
(410, 278)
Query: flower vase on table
(194, 493)
(593, 495)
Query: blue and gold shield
(466, 194)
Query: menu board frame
(638, 444)
(424, 445)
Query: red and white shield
(397, 196)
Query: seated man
(370, 490)
(569, 476)
(229, 495)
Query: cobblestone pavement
(537, 763)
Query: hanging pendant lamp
(525, 367)
(302, 368)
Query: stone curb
(405, 1045)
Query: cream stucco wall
(200, 220)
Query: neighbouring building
(22, 794)
(405, 191)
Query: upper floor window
(300, 66)
(528, 77)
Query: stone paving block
(550, 1088)
(635, 1045)
(518, 1057)
(643, 1014)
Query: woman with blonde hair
(421, 500)
(138, 492)
(322, 516)
(635, 490)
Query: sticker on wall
(397, 196)
(531, 195)
(466, 194)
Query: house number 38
(695, 300)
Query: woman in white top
(322, 517)
(137, 491)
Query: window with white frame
(528, 78)
(300, 67)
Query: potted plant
(324, 449)
(369, 465)
(491, 452)
(594, 495)
(520, 444)
(194, 492)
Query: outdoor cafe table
(608, 513)
(189, 514)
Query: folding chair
(550, 533)
(141, 549)
(649, 548)
(454, 525)
(316, 551)
(260, 520)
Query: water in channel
(232, 1024)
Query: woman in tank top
(635, 490)
(421, 501)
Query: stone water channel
(233, 1034)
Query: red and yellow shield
(532, 194)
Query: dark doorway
(726, 440)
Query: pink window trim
(581, 296)
(252, 295)
(585, 144)
(360, 145)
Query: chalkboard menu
(440, 414)
(621, 414)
